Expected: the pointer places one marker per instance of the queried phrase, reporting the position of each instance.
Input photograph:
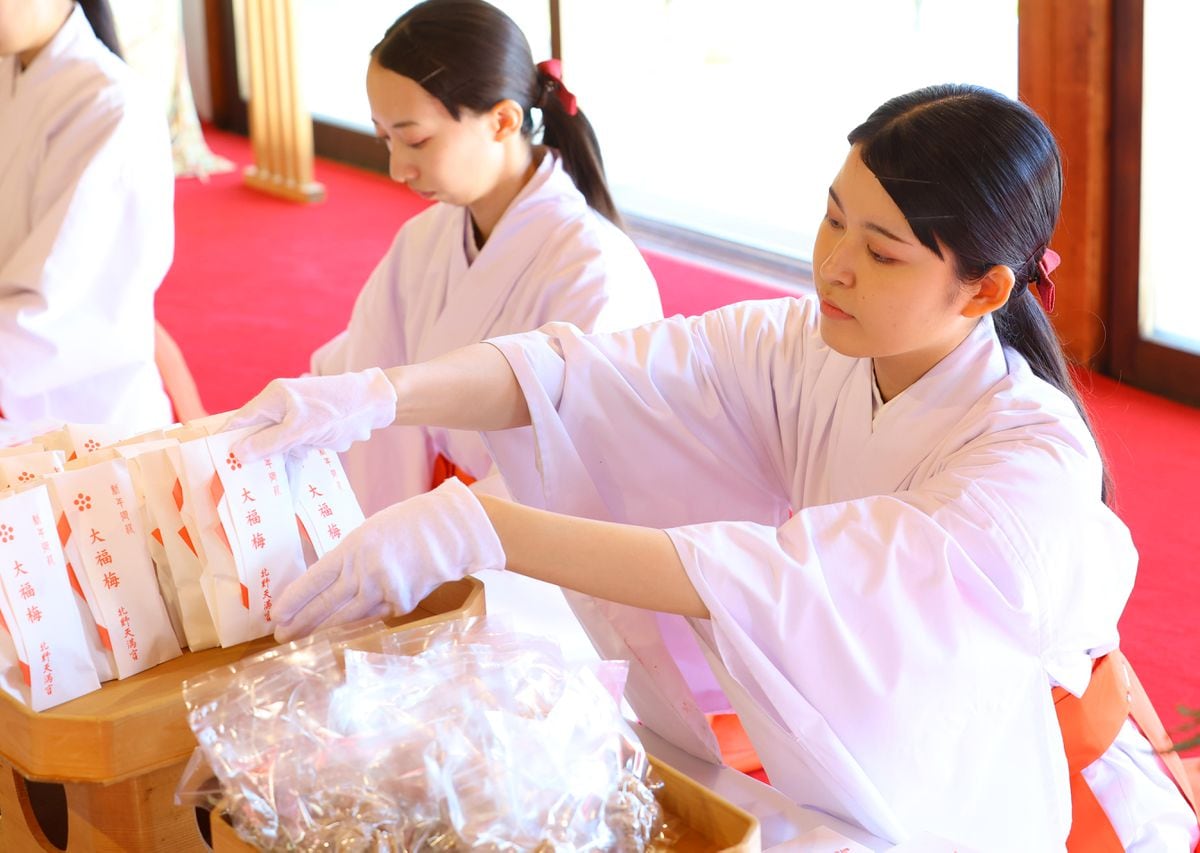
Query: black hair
(470, 55)
(980, 175)
(99, 15)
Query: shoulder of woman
(1036, 434)
(88, 91)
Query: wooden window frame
(1133, 359)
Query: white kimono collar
(881, 450)
(549, 171)
(955, 384)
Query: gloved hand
(392, 561)
(330, 412)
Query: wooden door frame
(1065, 76)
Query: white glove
(392, 561)
(329, 412)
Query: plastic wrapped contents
(458, 736)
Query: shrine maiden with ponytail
(881, 509)
(522, 233)
(87, 231)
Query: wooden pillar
(1065, 74)
(280, 125)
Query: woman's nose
(400, 168)
(835, 267)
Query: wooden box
(698, 819)
(119, 752)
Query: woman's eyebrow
(870, 226)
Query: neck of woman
(519, 169)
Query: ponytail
(99, 15)
(1022, 325)
(567, 130)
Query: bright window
(724, 119)
(731, 118)
(1169, 286)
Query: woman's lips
(832, 311)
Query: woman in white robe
(522, 234)
(88, 227)
(881, 511)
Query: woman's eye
(878, 258)
(418, 144)
(833, 221)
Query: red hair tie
(1045, 287)
(552, 69)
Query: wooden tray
(698, 819)
(121, 750)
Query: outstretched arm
(618, 562)
(468, 388)
(402, 553)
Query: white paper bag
(156, 468)
(151, 435)
(220, 582)
(146, 480)
(12, 668)
(19, 470)
(44, 620)
(86, 439)
(323, 499)
(210, 424)
(98, 641)
(254, 503)
(161, 473)
(100, 506)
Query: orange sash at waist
(1089, 726)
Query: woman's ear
(992, 290)
(507, 118)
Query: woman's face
(457, 162)
(883, 294)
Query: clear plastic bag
(462, 735)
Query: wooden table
(119, 752)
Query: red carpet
(257, 284)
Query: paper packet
(242, 519)
(99, 507)
(17, 470)
(40, 619)
(324, 502)
(154, 480)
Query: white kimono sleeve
(920, 628)
(662, 429)
(889, 655)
